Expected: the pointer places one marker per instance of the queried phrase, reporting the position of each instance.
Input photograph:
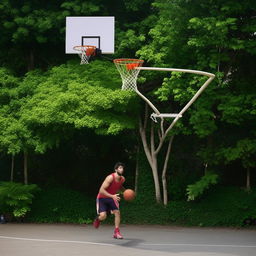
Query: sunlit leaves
(36, 112)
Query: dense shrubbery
(59, 205)
(197, 189)
(16, 198)
(221, 206)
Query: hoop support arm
(166, 115)
(149, 102)
(202, 88)
(178, 70)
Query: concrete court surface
(83, 240)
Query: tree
(34, 31)
(188, 34)
(71, 96)
(8, 84)
(50, 106)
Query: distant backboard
(95, 31)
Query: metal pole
(202, 88)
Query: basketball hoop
(129, 72)
(85, 52)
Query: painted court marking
(54, 241)
(205, 245)
(143, 244)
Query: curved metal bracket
(176, 117)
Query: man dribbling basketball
(108, 199)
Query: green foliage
(197, 189)
(72, 96)
(191, 35)
(8, 84)
(44, 107)
(244, 150)
(15, 136)
(178, 184)
(16, 198)
(145, 180)
(60, 205)
(238, 108)
(222, 206)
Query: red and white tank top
(113, 188)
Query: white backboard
(96, 31)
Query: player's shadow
(140, 244)
(131, 242)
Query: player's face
(120, 170)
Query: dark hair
(119, 164)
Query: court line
(142, 244)
(202, 245)
(54, 241)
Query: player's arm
(123, 188)
(106, 183)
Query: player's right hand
(116, 197)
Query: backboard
(95, 31)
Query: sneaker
(96, 223)
(117, 234)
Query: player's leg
(101, 211)
(102, 216)
(117, 218)
(113, 207)
(117, 233)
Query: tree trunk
(164, 181)
(156, 179)
(25, 167)
(152, 160)
(152, 153)
(12, 169)
(248, 179)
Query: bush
(178, 185)
(221, 206)
(60, 205)
(197, 189)
(16, 198)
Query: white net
(128, 72)
(85, 52)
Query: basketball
(129, 195)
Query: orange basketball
(129, 195)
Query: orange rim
(89, 50)
(78, 47)
(128, 61)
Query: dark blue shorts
(106, 205)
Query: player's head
(119, 168)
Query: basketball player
(108, 198)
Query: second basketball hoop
(129, 72)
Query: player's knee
(103, 216)
(117, 213)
